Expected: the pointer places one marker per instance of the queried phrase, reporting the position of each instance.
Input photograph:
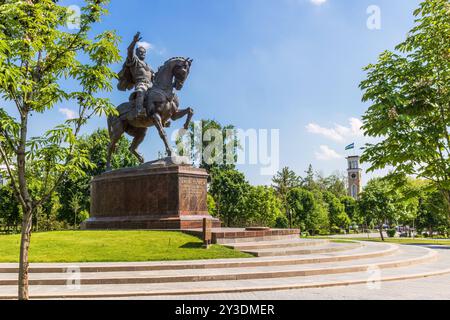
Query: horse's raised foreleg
(181, 113)
(139, 136)
(159, 126)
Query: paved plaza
(433, 288)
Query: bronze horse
(161, 104)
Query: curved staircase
(278, 265)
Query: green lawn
(402, 241)
(112, 246)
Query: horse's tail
(110, 120)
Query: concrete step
(373, 275)
(369, 250)
(407, 256)
(276, 244)
(225, 241)
(288, 251)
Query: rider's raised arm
(136, 39)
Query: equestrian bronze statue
(152, 104)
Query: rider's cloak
(126, 81)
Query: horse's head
(174, 73)
(181, 72)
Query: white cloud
(326, 153)
(339, 133)
(356, 127)
(318, 2)
(69, 114)
(146, 45)
(333, 134)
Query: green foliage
(432, 213)
(215, 146)
(75, 192)
(351, 209)
(212, 208)
(380, 203)
(336, 212)
(307, 211)
(282, 222)
(391, 233)
(334, 183)
(262, 207)
(283, 182)
(309, 181)
(10, 213)
(228, 188)
(321, 217)
(38, 54)
(410, 92)
(238, 204)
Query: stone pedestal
(159, 195)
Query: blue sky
(292, 65)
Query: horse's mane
(167, 63)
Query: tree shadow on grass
(192, 245)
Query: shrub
(391, 233)
(335, 230)
(282, 222)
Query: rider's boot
(140, 111)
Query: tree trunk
(27, 206)
(446, 194)
(24, 261)
(288, 213)
(381, 232)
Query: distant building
(354, 177)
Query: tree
(334, 183)
(378, 203)
(36, 53)
(216, 140)
(229, 188)
(351, 209)
(309, 182)
(308, 213)
(262, 206)
(410, 94)
(283, 182)
(212, 207)
(432, 213)
(408, 203)
(336, 212)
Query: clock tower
(354, 177)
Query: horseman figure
(137, 74)
(153, 104)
